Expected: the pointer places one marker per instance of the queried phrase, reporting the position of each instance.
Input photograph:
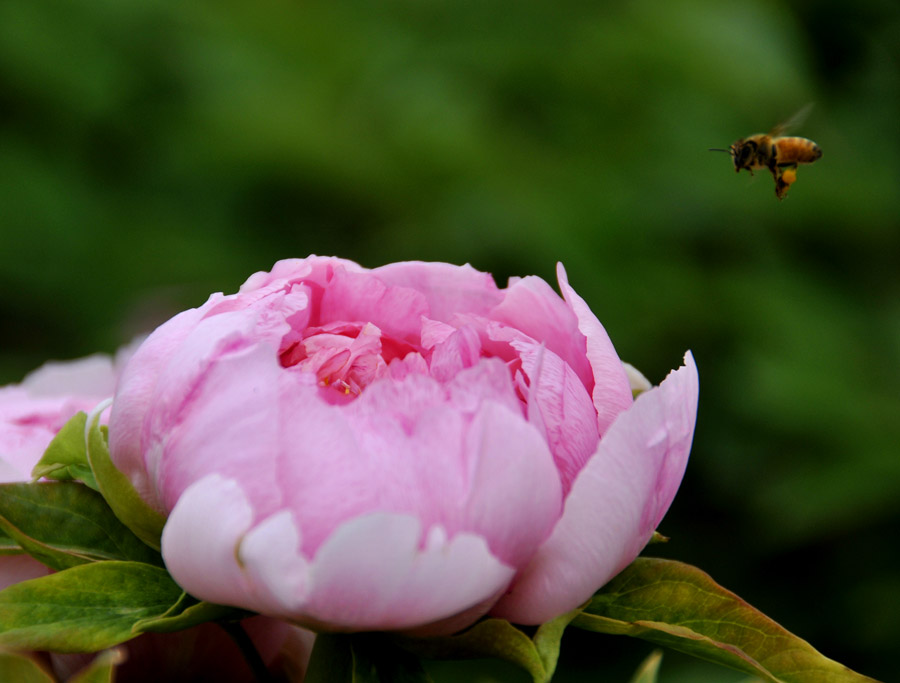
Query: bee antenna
(716, 149)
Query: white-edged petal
(201, 539)
(278, 571)
(374, 574)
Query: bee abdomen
(799, 150)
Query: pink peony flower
(31, 413)
(407, 447)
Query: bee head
(742, 152)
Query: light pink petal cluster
(404, 447)
(31, 413)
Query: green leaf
(490, 638)
(548, 638)
(102, 668)
(8, 546)
(22, 669)
(681, 607)
(187, 612)
(86, 608)
(63, 524)
(66, 456)
(657, 538)
(649, 668)
(144, 521)
(362, 658)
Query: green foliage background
(151, 153)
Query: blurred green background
(154, 152)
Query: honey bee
(780, 154)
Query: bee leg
(785, 175)
(773, 169)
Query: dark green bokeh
(151, 153)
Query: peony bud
(408, 447)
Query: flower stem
(248, 649)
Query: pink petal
(363, 297)
(448, 289)
(434, 332)
(24, 440)
(531, 306)
(174, 357)
(460, 350)
(611, 389)
(615, 503)
(461, 456)
(411, 363)
(201, 539)
(383, 451)
(271, 556)
(181, 384)
(515, 495)
(90, 376)
(228, 407)
(316, 269)
(31, 413)
(373, 573)
(27, 425)
(567, 414)
(134, 392)
(487, 380)
(12, 467)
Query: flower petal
(316, 269)
(515, 492)
(173, 359)
(226, 423)
(461, 349)
(89, 376)
(134, 392)
(460, 456)
(270, 554)
(448, 289)
(615, 503)
(374, 573)
(531, 306)
(567, 413)
(611, 389)
(363, 297)
(201, 550)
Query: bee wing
(791, 123)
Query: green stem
(248, 649)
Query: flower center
(344, 357)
